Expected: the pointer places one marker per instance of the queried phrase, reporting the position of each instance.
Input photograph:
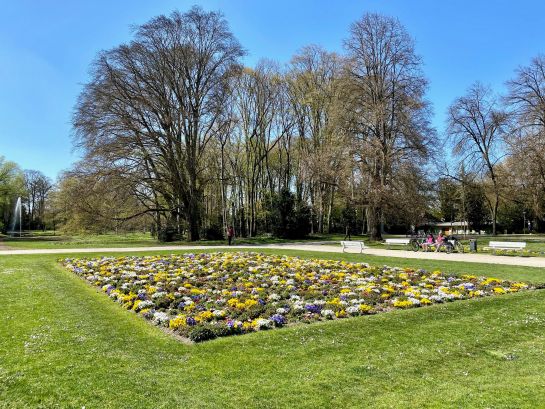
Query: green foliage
(200, 334)
(511, 216)
(214, 232)
(476, 210)
(290, 219)
(11, 186)
(167, 235)
(348, 215)
(449, 199)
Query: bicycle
(456, 244)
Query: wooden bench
(353, 245)
(396, 242)
(506, 245)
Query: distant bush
(290, 218)
(167, 234)
(214, 232)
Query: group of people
(432, 242)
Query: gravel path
(468, 258)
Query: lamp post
(524, 222)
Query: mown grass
(48, 240)
(66, 345)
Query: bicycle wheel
(459, 247)
(414, 245)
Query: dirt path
(468, 258)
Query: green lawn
(63, 344)
(48, 241)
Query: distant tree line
(177, 136)
(202, 142)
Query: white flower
(262, 323)
(281, 311)
(328, 313)
(158, 294)
(144, 304)
(353, 310)
(160, 318)
(298, 306)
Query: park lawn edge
(303, 366)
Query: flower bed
(204, 296)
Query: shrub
(290, 218)
(167, 234)
(214, 232)
(200, 334)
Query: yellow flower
(499, 290)
(250, 303)
(402, 304)
(204, 316)
(196, 291)
(178, 322)
(365, 308)
(232, 302)
(248, 326)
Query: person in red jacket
(230, 234)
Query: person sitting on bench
(429, 242)
(439, 242)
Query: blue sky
(46, 48)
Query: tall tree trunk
(374, 217)
(193, 218)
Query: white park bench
(505, 245)
(396, 242)
(358, 245)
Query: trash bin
(473, 245)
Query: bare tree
(153, 105)
(314, 81)
(37, 187)
(476, 125)
(387, 113)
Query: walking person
(230, 234)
